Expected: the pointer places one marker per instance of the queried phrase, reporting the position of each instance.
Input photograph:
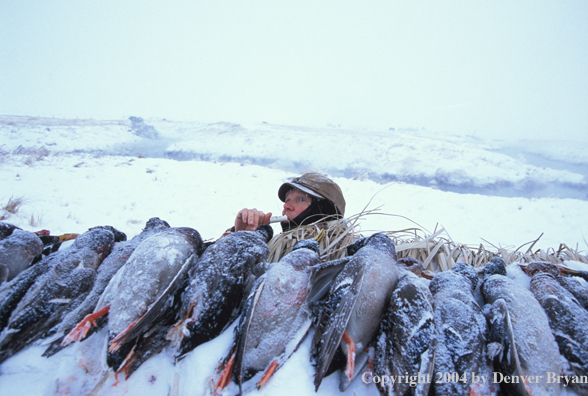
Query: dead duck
(139, 291)
(407, 338)
(569, 282)
(92, 248)
(218, 285)
(356, 302)
(567, 318)
(461, 332)
(117, 258)
(6, 229)
(521, 344)
(275, 320)
(18, 250)
(55, 292)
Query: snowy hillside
(69, 175)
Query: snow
(76, 174)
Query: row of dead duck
(166, 285)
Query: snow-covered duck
(115, 260)
(521, 346)
(6, 229)
(142, 288)
(47, 296)
(567, 318)
(218, 286)
(275, 320)
(92, 249)
(407, 339)
(354, 307)
(17, 252)
(461, 333)
(570, 283)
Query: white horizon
(500, 69)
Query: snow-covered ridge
(448, 162)
(82, 179)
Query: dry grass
(12, 207)
(31, 154)
(436, 250)
(36, 155)
(338, 234)
(35, 220)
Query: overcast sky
(501, 67)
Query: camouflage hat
(318, 186)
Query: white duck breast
(18, 250)
(355, 306)
(143, 291)
(407, 338)
(281, 311)
(379, 278)
(535, 347)
(461, 331)
(147, 273)
(281, 317)
(568, 321)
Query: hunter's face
(296, 203)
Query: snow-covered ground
(75, 174)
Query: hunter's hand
(250, 219)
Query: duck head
(380, 241)
(310, 244)
(496, 266)
(468, 272)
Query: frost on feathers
(152, 265)
(18, 250)
(218, 285)
(575, 285)
(407, 336)
(276, 317)
(534, 344)
(142, 281)
(109, 267)
(461, 328)
(568, 322)
(68, 276)
(355, 307)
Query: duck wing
(39, 316)
(322, 277)
(11, 293)
(333, 321)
